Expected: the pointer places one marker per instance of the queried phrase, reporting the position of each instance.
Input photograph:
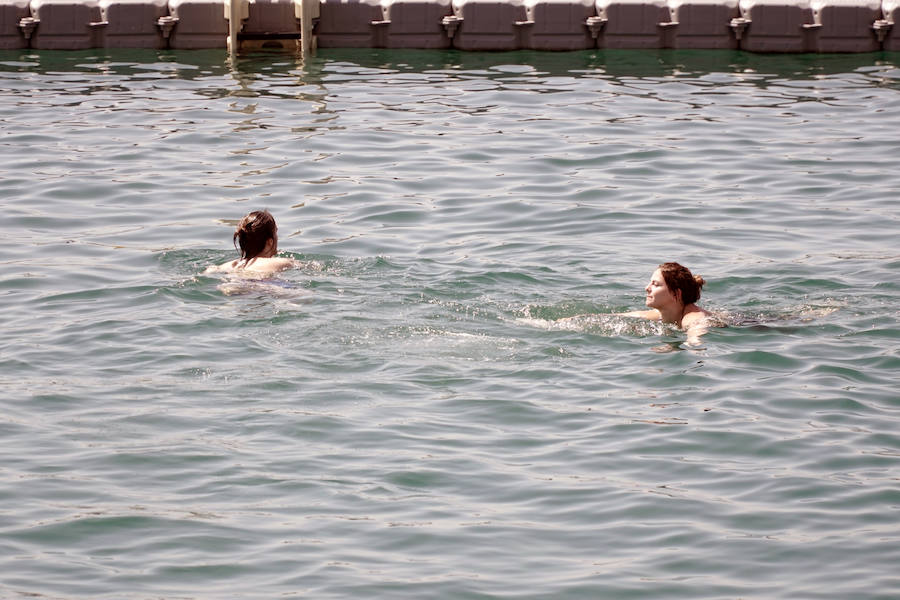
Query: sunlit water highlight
(440, 402)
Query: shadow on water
(189, 64)
(186, 64)
(616, 63)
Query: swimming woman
(672, 296)
(257, 236)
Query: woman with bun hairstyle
(672, 295)
(257, 236)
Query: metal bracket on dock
(595, 25)
(166, 24)
(881, 28)
(523, 23)
(98, 24)
(28, 25)
(380, 23)
(739, 25)
(668, 24)
(451, 23)
(811, 26)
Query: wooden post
(307, 11)
(235, 11)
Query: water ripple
(440, 403)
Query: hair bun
(253, 233)
(699, 280)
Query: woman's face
(659, 296)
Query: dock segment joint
(28, 25)
(166, 24)
(451, 23)
(882, 27)
(595, 25)
(739, 25)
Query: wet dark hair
(680, 278)
(253, 232)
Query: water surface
(405, 416)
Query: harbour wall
(476, 25)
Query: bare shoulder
(256, 266)
(701, 319)
(280, 263)
(223, 268)
(270, 265)
(693, 318)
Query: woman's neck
(675, 313)
(270, 250)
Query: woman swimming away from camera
(672, 295)
(257, 236)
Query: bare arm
(653, 315)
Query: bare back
(254, 266)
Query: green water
(406, 416)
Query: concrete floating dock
(477, 25)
